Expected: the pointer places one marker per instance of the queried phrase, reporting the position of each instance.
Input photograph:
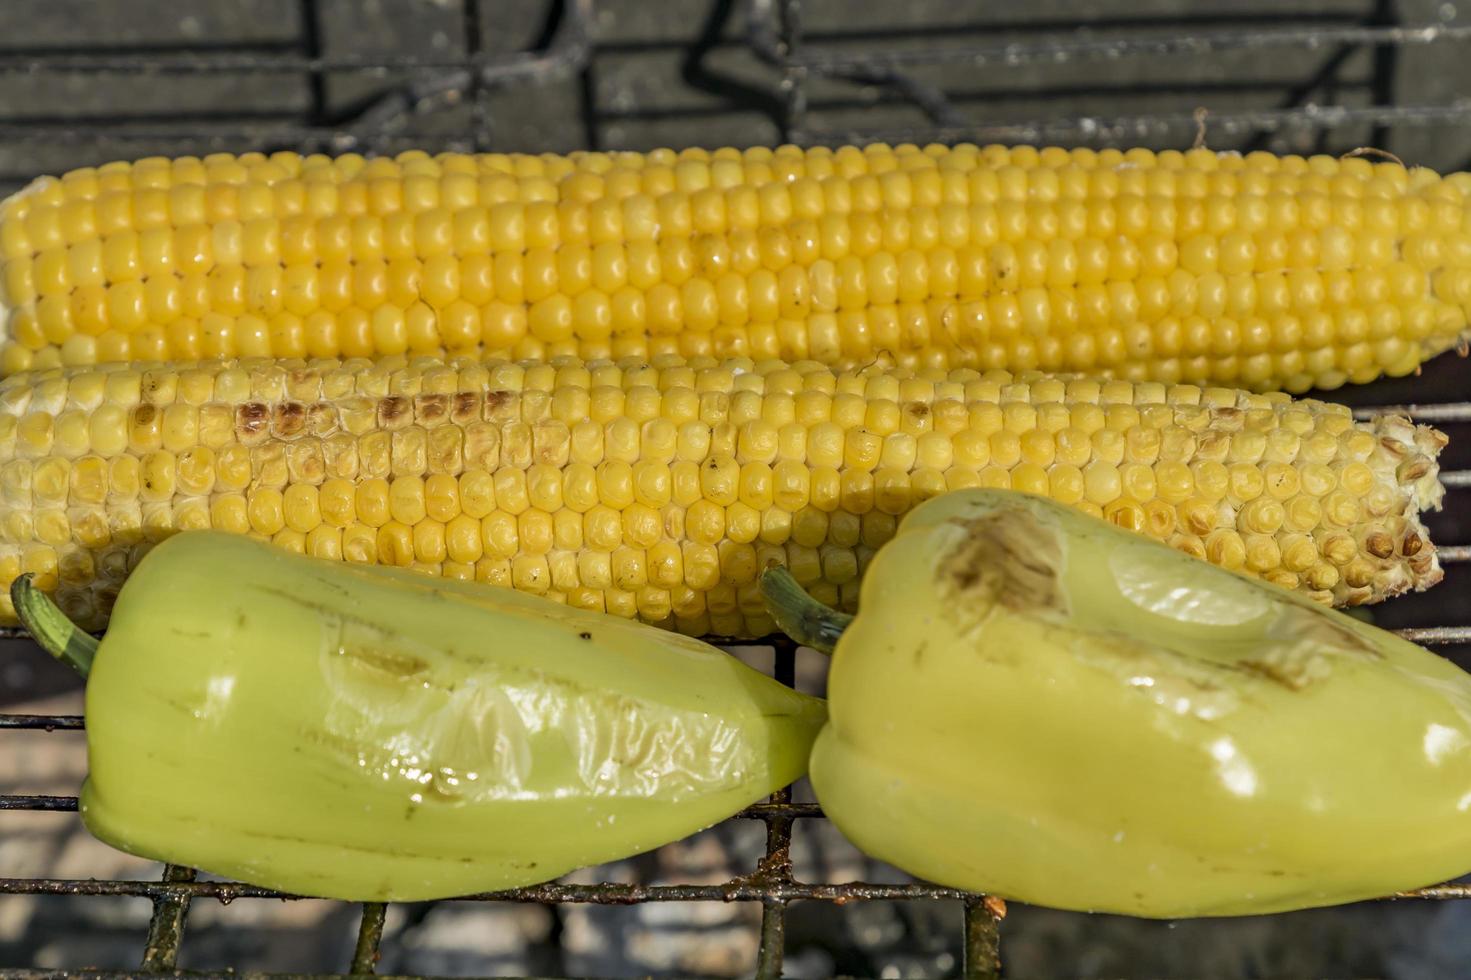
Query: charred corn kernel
(601, 480)
(1135, 264)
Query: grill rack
(774, 33)
(771, 883)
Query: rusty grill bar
(773, 32)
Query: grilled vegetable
(1035, 704)
(368, 735)
(1256, 271)
(660, 490)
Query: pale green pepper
(1036, 704)
(365, 733)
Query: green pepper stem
(49, 626)
(800, 616)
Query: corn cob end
(1406, 457)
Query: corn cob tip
(1407, 457)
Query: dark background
(83, 83)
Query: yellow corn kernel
(660, 488)
(1125, 264)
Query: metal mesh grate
(903, 64)
(904, 79)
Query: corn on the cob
(660, 489)
(1255, 271)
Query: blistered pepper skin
(1035, 704)
(361, 733)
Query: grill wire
(773, 33)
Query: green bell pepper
(1036, 704)
(365, 733)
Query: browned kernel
(659, 487)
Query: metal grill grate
(892, 71)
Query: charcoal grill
(802, 73)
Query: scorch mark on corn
(659, 488)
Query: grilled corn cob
(1256, 271)
(660, 489)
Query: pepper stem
(800, 616)
(49, 626)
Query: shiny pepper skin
(361, 733)
(1036, 704)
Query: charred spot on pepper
(1308, 627)
(584, 635)
(1013, 559)
(1292, 675)
(390, 662)
(342, 745)
(1305, 649)
(181, 706)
